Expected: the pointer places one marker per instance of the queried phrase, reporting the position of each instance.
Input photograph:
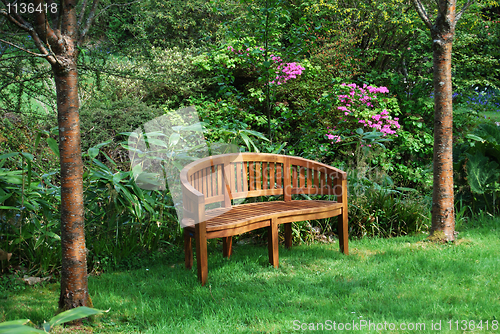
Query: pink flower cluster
(284, 71)
(362, 97)
(382, 123)
(334, 138)
(360, 94)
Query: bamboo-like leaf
(128, 134)
(8, 155)
(37, 141)
(157, 142)
(18, 329)
(103, 166)
(476, 138)
(93, 152)
(278, 150)
(14, 323)
(104, 143)
(12, 178)
(247, 141)
(53, 146)
(9, 208)
(256, 134)
(28, 156)
(73, 314)
(199, 127)
(3, 198)
(174, 139)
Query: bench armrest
(193, 200)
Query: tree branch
(21, 23)
(59, 22)
(44, 30)
(464, 8)
(90, 18)
(17, 20)
(53, 16)
(422, 13)
(82, 13)
(23, 49)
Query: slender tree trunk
(442, 33)
(443, 214)
(57, 37)
(74, 290)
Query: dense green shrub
(378, 208)
(123, 222)
(103, 121)
(159, 77)
(477, 172)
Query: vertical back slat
(287, 187)
(294, 176)
(330, 182)
(264, 175)
(231, 175)
(228, 196)
(239, 179)
(316, 178)
(197, 180)
(220, 181)
(279, 175)
(272, 180)
(258, 175)
(252, 175)
(309, 171)
(302, 178)
(204, 181)
(245, 176)
(213, 182)
(323, 179)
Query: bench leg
(343, 231)
(201, 252)
(227, 246)
(188, 250)
(288, 235)
(273, 243)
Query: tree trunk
(443, 214)
(58, 37)
(74, 291)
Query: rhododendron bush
(283, 71)
(361, 115)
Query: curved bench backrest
(225, 177)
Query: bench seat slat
(244, 214)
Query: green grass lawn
(398, 281)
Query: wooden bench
(220, 180)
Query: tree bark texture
(443, 212)
(442, 33)
(74, 290)
(57, 35)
